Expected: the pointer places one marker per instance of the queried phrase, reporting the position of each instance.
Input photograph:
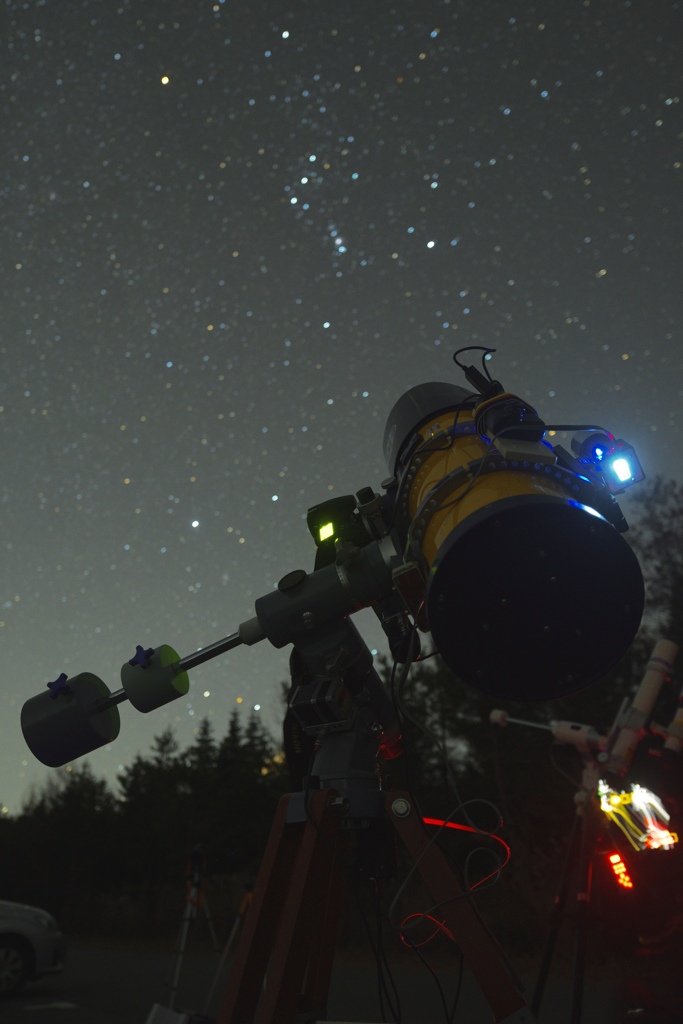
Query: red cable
(440, 823)
(441, 925)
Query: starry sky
(235, 233)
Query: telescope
(507, 549)
(636, 811)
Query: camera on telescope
(608, 459)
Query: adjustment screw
(401, 808)
(339, 805)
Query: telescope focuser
(500, 415)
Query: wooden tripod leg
(289, 911)
(306, 916)
(479, 948)
(325, 941)
(251, 954)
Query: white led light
(622, 469)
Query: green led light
(326, 531)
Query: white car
(31, 945)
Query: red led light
(619, 868)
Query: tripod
(283, 961)
(194, 900)
(600, 754)
(581, 849)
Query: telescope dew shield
(59, 727)
(531, 594)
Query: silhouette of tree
(75, 841)
(67, 843)
(75, 838)
(251, 778)
(657, 538)
(201, 764)
(155, 818)
(530, 779)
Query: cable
(475, 348)
(468, 889)
(449, 1014)
(382, 960)
(576, 783)
(418, 451)
(490, 449)
(465, 471)
(402, 711)
(440, 927)
(442, 995)
(426, 657)
(397, 687)
(424, 447)
(379, 959)
(458, 987)
(441, 823)
(383, 967)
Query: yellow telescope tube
(530, 592)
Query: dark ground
(118, 983)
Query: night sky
(235, 233)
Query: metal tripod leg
(180, 952)
(583, 896)
(557, 915)
(581, 849)
(239, 918)
(193, 902)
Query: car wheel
(14, 966)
